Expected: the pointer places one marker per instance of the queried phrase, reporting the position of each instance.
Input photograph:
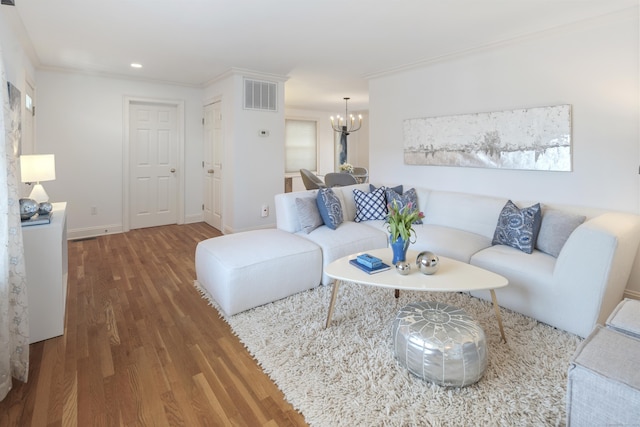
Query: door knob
(210, 171)
(172, 170)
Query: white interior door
(212, 165)
(152, 162)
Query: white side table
(45, 254)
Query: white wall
(253, 166)
(79, 118)
(593, 66)
(17, 65)
(18, 68)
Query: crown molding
(613, 17)
(65, 70)
(258, 75)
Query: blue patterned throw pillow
(403, 199)
(397, 188)
(517, 227)
(329, 207)
(370, 206)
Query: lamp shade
(37, 167)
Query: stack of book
(37, 219)
(369, 264)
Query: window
(300, 145)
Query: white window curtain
(301, 145)
(14, 320)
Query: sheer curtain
(14, 320)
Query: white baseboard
(84, 233)
(190, 219)
(632, 294)
(229, 230)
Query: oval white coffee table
(452, 276)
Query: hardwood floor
(141, 347)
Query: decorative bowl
(403, 267)
(28, 208)
(427, 262)
(45, 208)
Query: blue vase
(399, 248)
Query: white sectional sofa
(573, 291)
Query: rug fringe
(205, 295)
(213, 303)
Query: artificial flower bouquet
(400, 220)
(346, 167)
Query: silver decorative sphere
(45, 208)
(403, 267)
(28, 208)
(427, 262)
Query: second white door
(212, 165)
(153, 153)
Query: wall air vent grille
(260, 95)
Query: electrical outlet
(264, 212)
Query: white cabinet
(45, 255)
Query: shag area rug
(346, 375)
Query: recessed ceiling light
(136, 65)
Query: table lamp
(37, 168)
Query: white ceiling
(326, 48)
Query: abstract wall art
(532, 138)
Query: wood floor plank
(141, 346)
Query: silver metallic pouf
(440, 343)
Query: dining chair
(361, 174)
(310, 180)
(339, 179)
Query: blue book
(382, 267)
(369, 261)
(37, 219)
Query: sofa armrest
(287, 212)
(594, 265)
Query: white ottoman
(244, 270)
(625, 318)
(603, 386)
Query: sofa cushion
(308, 214)
(517, 227)
(531, 281)
(515, 265)
(330, 208)
(555, 229)
(448, 242)
(409, 196)
(469, 212)
(351, 238)
(370, 206)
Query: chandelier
(347, 123)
